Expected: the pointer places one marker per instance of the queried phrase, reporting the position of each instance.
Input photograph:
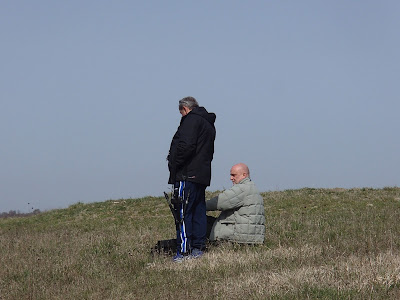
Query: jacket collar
(244, 180)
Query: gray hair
(188, 102)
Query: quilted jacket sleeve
(228, 199)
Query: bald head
(239, 172)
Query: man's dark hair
(188, 102)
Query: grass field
(320, 244)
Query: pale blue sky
(305, 92)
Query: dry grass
(354, 273)
(320, 244)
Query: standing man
(189, 163)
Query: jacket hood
(201, 111)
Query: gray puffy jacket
(242, 214)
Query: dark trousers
(191, 230)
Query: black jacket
(192, 148)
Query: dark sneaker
(196, 253)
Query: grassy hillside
(320, 244)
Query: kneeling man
(242, 217)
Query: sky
(306, 93)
